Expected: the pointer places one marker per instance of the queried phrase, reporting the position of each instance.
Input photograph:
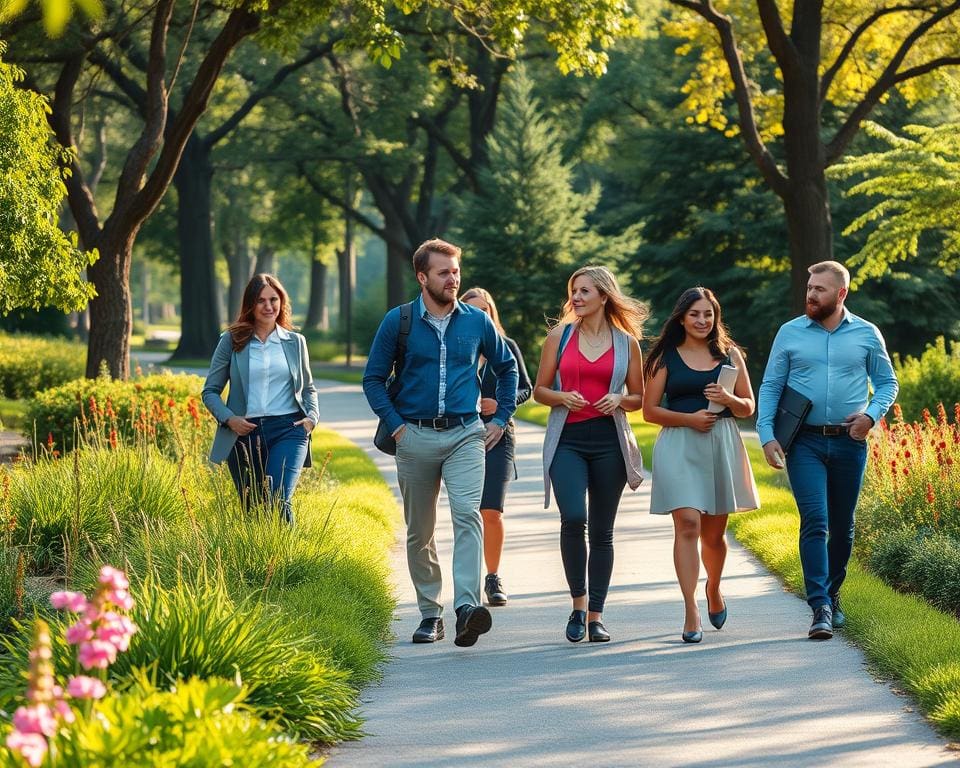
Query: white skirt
(708, 471)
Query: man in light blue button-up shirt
(832, 357)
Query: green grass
(348, 376)
(301, 616)
(13, 414)
(904, 638)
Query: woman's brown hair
(673, 334)
(241, 330)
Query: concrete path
(757, 693)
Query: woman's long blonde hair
(483, 293)
(625, 313)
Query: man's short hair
(835, 268)
(421, 257)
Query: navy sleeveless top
(684, 389)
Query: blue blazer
(234, 367)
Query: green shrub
(924, 563)
(146, 409)
(196, 723)
(932, 378)
(31, 363)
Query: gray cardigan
(558, 417)
(234, 367)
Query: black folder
(792, 411)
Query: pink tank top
(590, 379)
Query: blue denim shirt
(470, 333)
(832, 368)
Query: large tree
(814, 81)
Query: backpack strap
(400, 352)
(564, 338)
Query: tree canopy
(40, 265)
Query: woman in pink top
(589, 449)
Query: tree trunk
(240, 267)
(199, 306)
(806, 200)
(264, 263)
(810, 230)
(317, 306)
(111, 310)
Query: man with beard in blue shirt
(832, 357)
(434, 418)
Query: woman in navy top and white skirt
(701, 472)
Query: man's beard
(440, 296)
(820, 311)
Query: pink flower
(75, 602)
(116, 629)
(64, 710)
(96, 654)
(120, 598)
(83, 687)
(79, 633)
(36, 719)
(31, 746)
(113, 578)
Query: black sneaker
(493, 589)
(822, 626)
(472, 621)
(839, 618)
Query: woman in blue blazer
(271, 408)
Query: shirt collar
(277, 335)
(424, 313)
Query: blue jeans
(266, 463)
(825, 474)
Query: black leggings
(588, 462)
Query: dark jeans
(266, 463)
(588, 464)
(825, 474)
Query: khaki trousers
(425, 457)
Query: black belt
(443, 422)
(827, 430)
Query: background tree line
(706, 143)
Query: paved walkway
(755, 694)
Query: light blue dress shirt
(271, 385)
(835, 369)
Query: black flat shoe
(472, 621)
(429, 631)
(577, 626)
(598, 632)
